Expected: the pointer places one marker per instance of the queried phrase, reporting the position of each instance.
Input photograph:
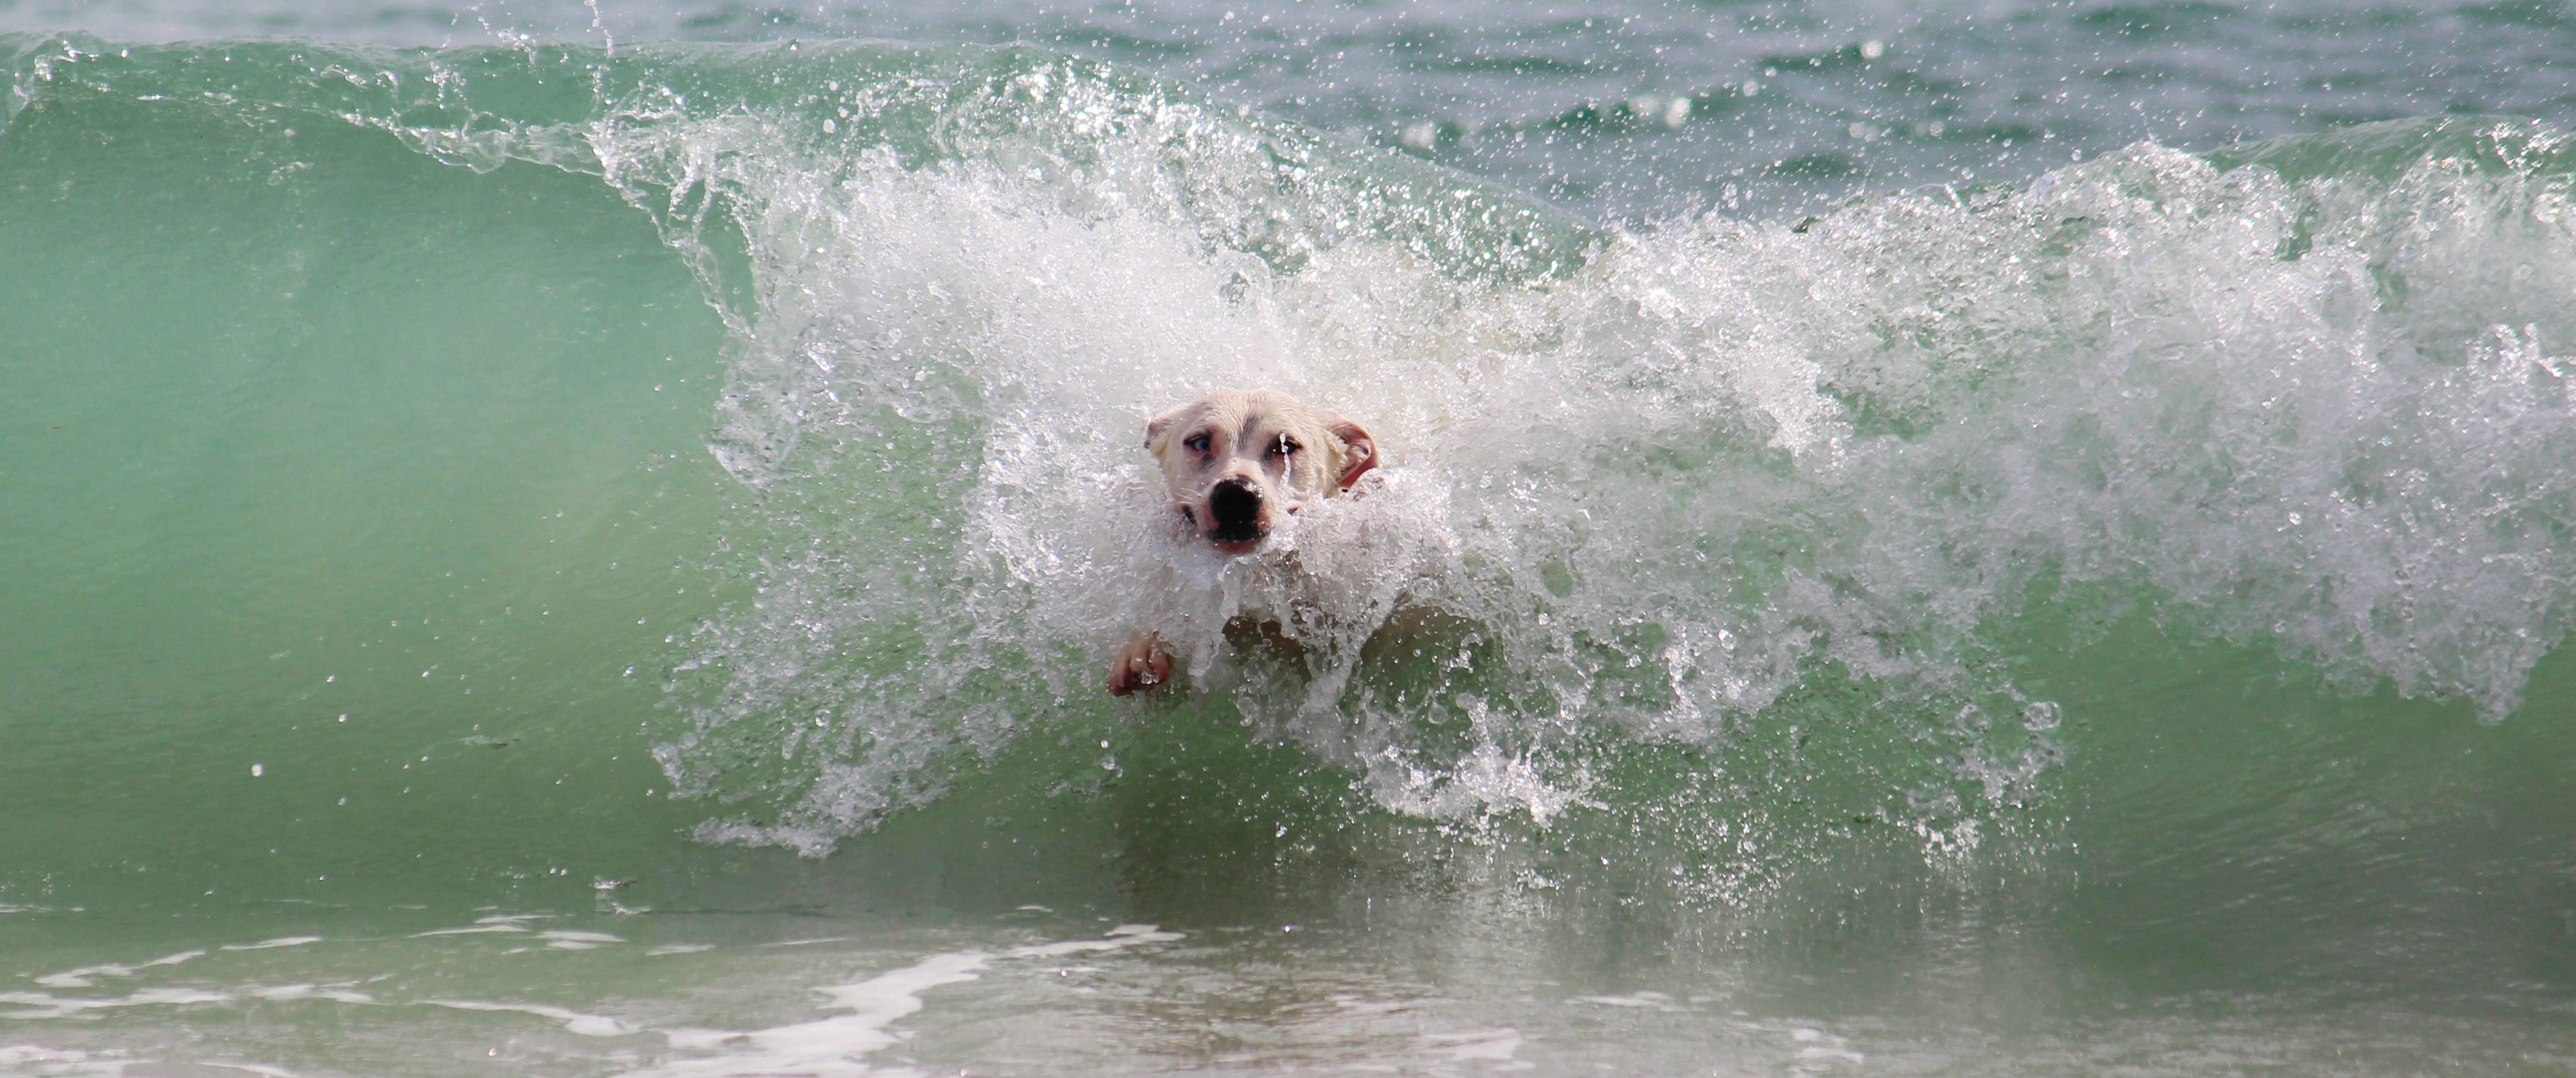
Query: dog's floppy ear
(1359, 454)
(1156, 427)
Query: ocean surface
(1978, 539)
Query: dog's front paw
(1142, 666)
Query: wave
(1720, 460)
(1657, 483)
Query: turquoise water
(535, 546)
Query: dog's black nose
(1235, 506)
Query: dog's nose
(1235, 505)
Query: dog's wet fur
(1234, 463)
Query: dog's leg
(1142, 666)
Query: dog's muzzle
(1234, 513)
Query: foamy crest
(1647, 497)
(36, 1061)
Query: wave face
(1648, 484)
(1657, 487)
(452, 489)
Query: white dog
(1234, 461)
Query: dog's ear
(1156, 428)
(1359, 453)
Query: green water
(370, 471)
(674, 543)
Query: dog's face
(1236, 460)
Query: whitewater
(584, 541)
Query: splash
(1644, 484)
(1646, 498)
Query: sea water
(584, 538)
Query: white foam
(568, 939)
(587, 1025)
(1723, 456)
(1653, 1001)
(290, 992)
(473, 930)
(263, 1069)
(281, 941)
(36, 1061)
(1489, 1046)
(41, 1005)
(839, 1045)
(87, 976)
(1483, 783)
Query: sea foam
(1648, 493)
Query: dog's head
(1235, 460)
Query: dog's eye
(1285, 446)
(1198, 443)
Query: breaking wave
(1646, 481)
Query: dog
(1234, 463)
